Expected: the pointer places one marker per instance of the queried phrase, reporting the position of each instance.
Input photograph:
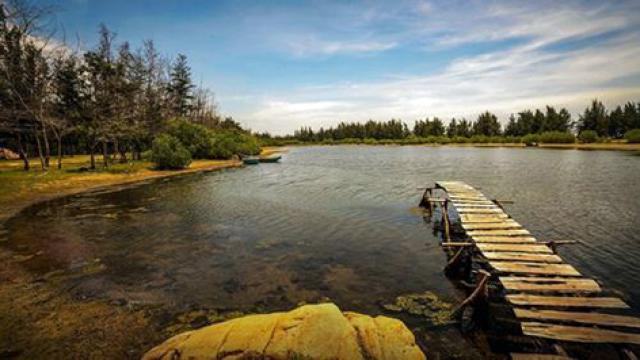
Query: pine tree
(180, 87)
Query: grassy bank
(22, 188)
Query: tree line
(595, 118)
(112, 99)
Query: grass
(21, 188)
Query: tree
(180, 87)
(487, 124)
(452, 128)
(594, 118)
(512, 127)
(66, 107)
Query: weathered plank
(565, 301)
(480, 211)
(555, 284)
(507, 224)
(466, 198)
(578, 317)
(523, 356)
(476, 206)
(515, 248)
(502, 232)
(543, 258)
(534, 268)
(578, 334)
(504, 239)
(483, 218)
(472, 202)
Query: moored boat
(271, 158)
(250, 160)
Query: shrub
(633, 136)
(557, 137)
(588, 136)
(196, 138)
(226, 144)
(530, 139)
(168, 153)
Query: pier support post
(481, 292)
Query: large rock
(309, 332)
(8, 154)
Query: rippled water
(330, 222)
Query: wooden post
(445, 218)
(480, 293)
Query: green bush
(168, 153)
(557, 137)
(226, 144)
(196, 138)
(530, 139)
(588, 136)
(633, 136)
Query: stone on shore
(319, 331)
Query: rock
(8, 154)
(319, 331)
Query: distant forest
(556, 126)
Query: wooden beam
(564, 301)
(532, 248)
(504, 232)
(555, 284)
(480, 211)
(506, 224)
(482, 218)
(578, 334)
(543, 258)
(578, 317)
(505, 239)
(534, 268)
(523, 356)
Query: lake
(335, 223)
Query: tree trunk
(105, 154)
(47, 149)
(59, 138)
(22, 152)
(39, 146)
(93, 157)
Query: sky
(278, 65)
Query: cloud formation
(503, 57)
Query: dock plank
(578, 317)
(566, 301)
(543, 258)
(534, 268)
(507, 224)
(503, 232)
(578, 334)
(525, 356)
(504, 239)
(556, 284)
(480, 211)
(528, 248)
(483, 218)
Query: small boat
(270, 159)
(250, 160)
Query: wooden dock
(550, 299)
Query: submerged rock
(319, 331)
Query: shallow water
(329, 222)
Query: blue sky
(279, 65)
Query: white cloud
(309, 46)
(532, 73)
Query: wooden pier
(549, 299)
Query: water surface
(334, 223)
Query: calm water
(329, 222)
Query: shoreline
(100, 181)
(577, 146)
